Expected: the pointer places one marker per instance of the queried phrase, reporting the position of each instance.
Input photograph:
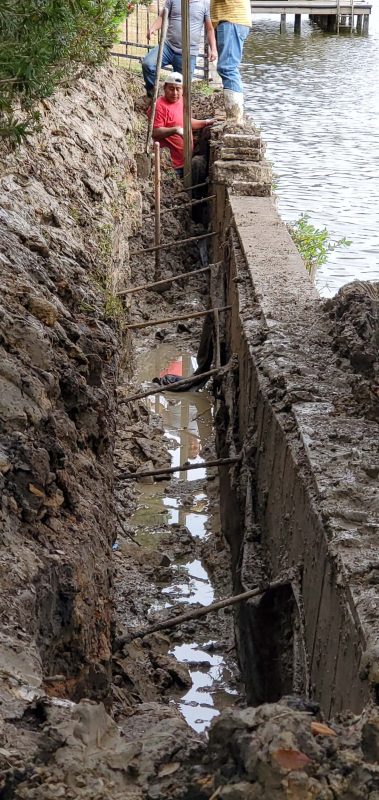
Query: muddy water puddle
(183, 501)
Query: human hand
(180, 131)
(209, 122)
(150, 33)
(212, 55)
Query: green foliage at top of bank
(313, 243)
(42, 44)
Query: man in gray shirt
(199, 15)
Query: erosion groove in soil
(77, 721)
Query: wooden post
(366, 18)
(283, 23)
(352, 17)
(186, 61)
(157, 196)
(359, 23)
(297, 26)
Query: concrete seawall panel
(303, 500)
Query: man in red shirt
(168, 120)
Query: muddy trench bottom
(179, 518)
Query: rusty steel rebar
(137, 325)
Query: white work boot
(233, 106)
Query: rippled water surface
(316, 97)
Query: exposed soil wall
(68, 201)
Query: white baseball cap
(174, 77)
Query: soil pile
(355, 316)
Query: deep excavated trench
(299, 408)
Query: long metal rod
(157, 196)
(195, 186)
(172, 622)
(149, 473)
(183, 205)
(156, 84)
(138, 325)
(216, 320)
(172, 244)
(189, 381)
(164, 281)
(186, 61)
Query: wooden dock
(330, 16)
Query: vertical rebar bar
(216, 321)
(157, 195)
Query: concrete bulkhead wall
(301, 502)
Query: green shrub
(313, 244)
(42, 42)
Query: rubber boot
(233, 106)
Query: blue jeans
(169, 58)
(230, 39)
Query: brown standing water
(188, 428)
(316, 98)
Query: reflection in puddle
(187, 422)
(198, 705)
(197, 590)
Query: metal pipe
(193, 315)
(172, 388)
(184, 205)
(149, 473)
(164, 281)
(171, 244)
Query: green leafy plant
(313, 243)
(43, 42)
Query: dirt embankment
(354, 314)
(68, 202)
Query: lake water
(316, 98)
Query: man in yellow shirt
(232, 21)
